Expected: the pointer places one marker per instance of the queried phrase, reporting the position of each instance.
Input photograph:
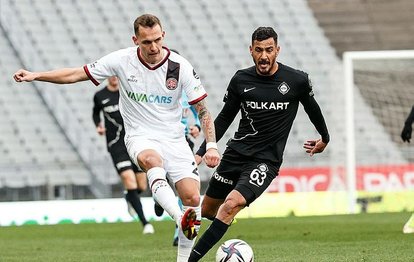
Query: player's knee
(191, 199)
(148, 161)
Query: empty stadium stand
(47, 135)
(361, 25)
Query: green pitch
(364, 237)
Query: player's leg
(147, 154)
(254, 179)
(210, 206)
(126, 169)
(409, 225)
(183, 172)
(180, 203)
(162, 193)
(141, 179)
(188, 190)
(175, 236)
(213, 200)
(132, 196)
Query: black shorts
(247, 175)
(121, 160)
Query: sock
(180, 204)
(184, 244)
(133, 197)
(213, 234)
(163, 193)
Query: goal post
(379, 93)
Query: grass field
(364, 237)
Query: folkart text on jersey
(267, 105)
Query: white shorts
(177, 157)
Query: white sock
(184, 244)
(163, 193)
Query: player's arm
(408, 129)
(211, 157)
(96, 116)
(223, 121)
(58, 76)
(196, 118)
(196, 128)
(315, 115)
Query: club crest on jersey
(171, 83)
(283, 88)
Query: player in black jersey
(406, 136)
(407, 129)
(268, 96)
(133, 179)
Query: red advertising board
(368, 178)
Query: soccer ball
(234, 250)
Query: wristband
(211, 145)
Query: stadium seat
(55, 123)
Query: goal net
(379, 97)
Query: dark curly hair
(263, 33)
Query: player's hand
(314, 146)
(406, 133)
(212, 158)
(101, 130)
(194, 131)
(198, 159)
(24, 76)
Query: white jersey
(149, 99)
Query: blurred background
(49, 149)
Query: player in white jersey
(152, 80)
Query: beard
(264, 66)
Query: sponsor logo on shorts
(258, 175)
(221, 179)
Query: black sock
(133, 197)
(211, 236)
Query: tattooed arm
(211, 157)
(206, 121)
(222, 122)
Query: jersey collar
(157, 65)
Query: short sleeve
(103, 68)
(191, 84)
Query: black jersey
(107, 102)
(268, 106)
